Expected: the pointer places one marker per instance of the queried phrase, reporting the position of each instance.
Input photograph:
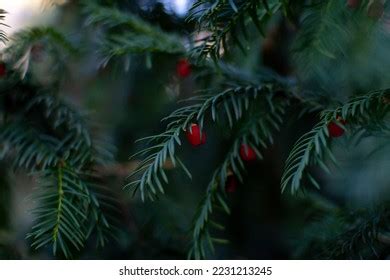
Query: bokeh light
(22, 13)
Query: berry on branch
(3, 70)
(183, 68)
(195, 136)
(247, 153)
(231, 184)
(335, 130)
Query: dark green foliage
(68, 206)
(53, 140)
(32, 149)
(50, 39)
(257, 132)
(61, 211)
(49, 35)
(4, 199)
(323, 35)
(337, 47)
(315, 44)
(352, 234)
(43, 134)
(69, 210)
(231, 104)
(126, 33)
(226, 21)
(3, 35)
(365, 113)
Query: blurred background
(129, 99)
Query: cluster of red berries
(197, 137)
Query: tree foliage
(51, 139)
(230, 103)
(3, 35)
(256, 132)
(365, 114)
(42, 133)
(353, 234)
(135, 36)
(223, 21)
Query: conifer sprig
(3, 34)
(68, 211)
(313, 148)
(136, 35)
(230, 103)
(257, 132)
(50, 39)
(226, 20)
(351, 234)
(52, 140)
(31, 149)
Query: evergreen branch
(61, 212)
(321, 21)
(257, 131)
(232, 101)
(50, 138)
(60, 113)
(102, 212)
(348, 234)
(77, 146)
(327, 30)
(23, 42)
(80, 150)
(130, 43)
(3, 34)
(136, 35)
(364, 228)
(314, 146)
(67, 215)
(370, 109)
(101, 207)
(225, 19)
(32, 150)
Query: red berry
(3, 70)
(231, 184)
(247, 153)
(183, 68)
(335, 130)
(195, 136)
(353, 4)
